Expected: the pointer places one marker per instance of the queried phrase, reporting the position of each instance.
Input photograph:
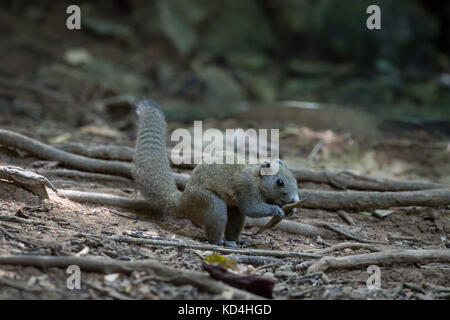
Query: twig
(8, 218)
(309, 275)
(23, 287)
(347, 245)
(433, 287)
(268, 265)
(380, 258)
(249, 254)
(103, 265)
(211, 247)
(315, 151)
(200, 246)
(276, 220)
(257, 260)
(346, 217)
(124, 216)
(9, 235)
(342, 232)
(110, 292)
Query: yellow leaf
(222, 261)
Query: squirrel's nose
(295, 198)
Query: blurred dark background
(211, 58)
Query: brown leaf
(254, 283)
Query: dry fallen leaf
(62, 138)
(83, 252)
(222, 261)
(104, 131)
(254, 283)
(111, 277)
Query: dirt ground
(62, 227)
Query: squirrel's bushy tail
(152, 170)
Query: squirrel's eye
(280, 183)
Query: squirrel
(217, 196)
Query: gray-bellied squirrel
(217, 196)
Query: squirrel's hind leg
(235, 223)
(209, 210)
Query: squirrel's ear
(265, 164)
(265, 167)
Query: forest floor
(66, 228)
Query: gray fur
(217, 196)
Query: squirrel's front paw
(277, 212)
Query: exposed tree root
(350, 180)
(105, 152)
(335, 200)
(29, 180)
(293, 227)
(339, 179)
(343, 232)
(44, 151)
(110, 200)
(380, 258)
(178, 277)
(367, 200)
(75, 174)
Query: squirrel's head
(278, 183)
